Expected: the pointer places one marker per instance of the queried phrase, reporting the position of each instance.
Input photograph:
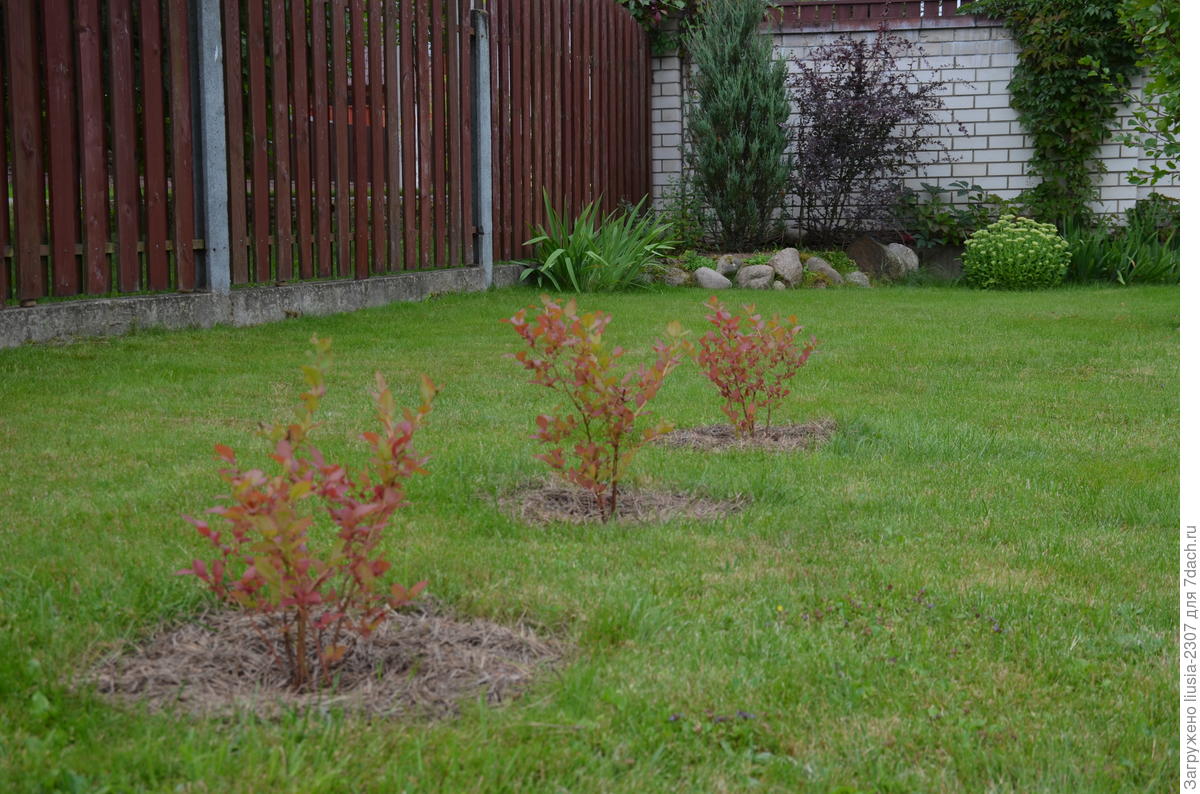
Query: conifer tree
(738, 128)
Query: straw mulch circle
(419, 662)
(550, 502)
(778, 438)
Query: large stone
(816, 264)
(874, 259)
(905, 256)
(726, 265)
(788, 265)
(755, 277)
(779, 284)
(710, 279)
(858, 279)
(676, 277)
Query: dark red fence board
(391, 73)
(28, 176)
(408, 121)
(322, 154)
(124, 144)
(301, 126)
(377, 121)
(260, 189)
(4, 221)
(93, 153)
(60, 123)
(155, 153)
(235, 143)
(341, 134)
(284, 254)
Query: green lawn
(970, 588)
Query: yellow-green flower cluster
(1015, 253)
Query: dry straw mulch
(419, 663)
(779, 438)
(550, 502)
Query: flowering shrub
(567, 354)
(268, 558)
(749, 359)
(1015, 253)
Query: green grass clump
(969, 588)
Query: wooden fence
(350, 135)
(571, 111)
(867, 14)
(96, 151)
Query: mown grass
(968, 589)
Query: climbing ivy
(1063, 101)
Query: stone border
(81, 319)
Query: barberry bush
(749, 359)
(599, 422)
(301, 545)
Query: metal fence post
(481, 87)
(213, 156)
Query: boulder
(676, 277)
(726, 265)
(779, 285)
(816, 264)
(788, 265)
(875, 259)
(858, 279)
(905, 256)
(710, 279)
(755, 277)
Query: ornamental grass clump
(599, 421)
(319, 592)
(1015, 253)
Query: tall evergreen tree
(738, 129)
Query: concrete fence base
(69, 320)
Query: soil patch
(778, 438)
(545, 503)
(419, 662)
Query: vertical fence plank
(60, 122)
(426, 131)
(184, 204)
(301, 126)
(91, 144)
(392, 98)
(235, 141)
(153, 129)
(362, 151)
(409, 123)
(517, 189)
(557, 112)
(466, 143)
(124, 144)
(455, 90)
(377, 120)
(341, 136)
(4, 222)
(28, 185)
(283, 151)
(321, 120)
(260, 190)
(437, 51)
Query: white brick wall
(977, 62)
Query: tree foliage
(1072, 53)
(859, 129)
(739, 126)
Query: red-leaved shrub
(567, 354)
(749, 359)
(271, 559)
